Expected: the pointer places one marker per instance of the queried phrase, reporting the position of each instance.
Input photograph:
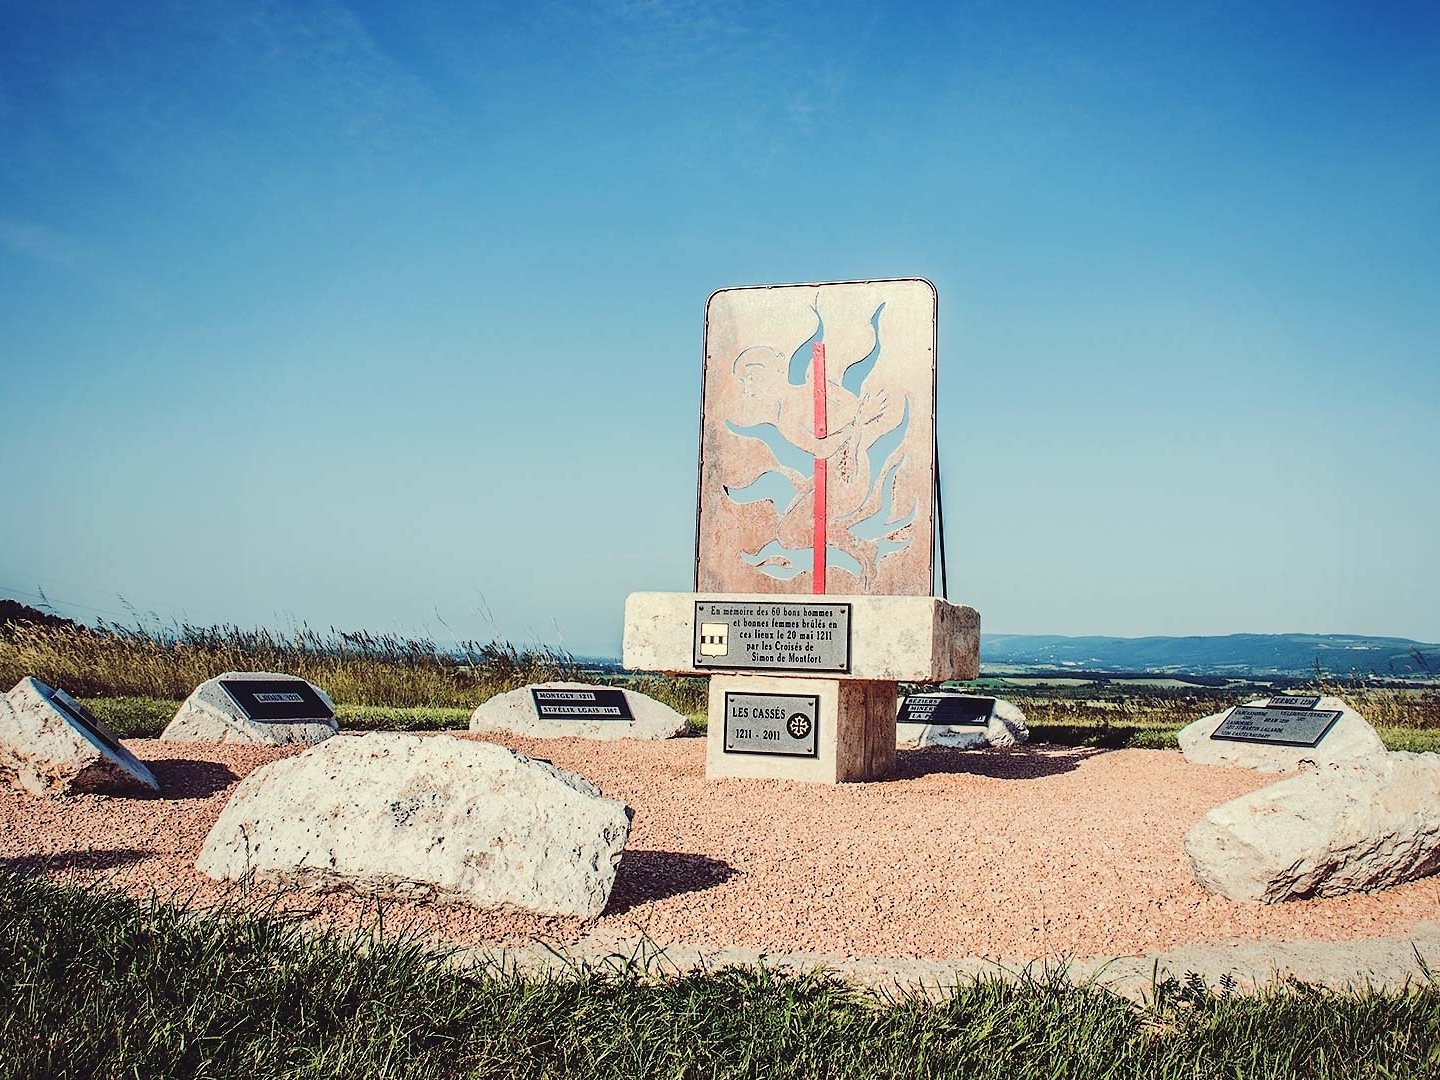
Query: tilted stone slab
(414, 817)
(515, 712)
(212, 715)
(1006, 727)
(1348, 827)
(1350, 738)
(50, 744)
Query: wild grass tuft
(354, 667)
(95, 984)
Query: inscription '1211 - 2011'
(766, 636)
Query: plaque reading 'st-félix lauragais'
(278, 701)
(817, 461)
(571, 704)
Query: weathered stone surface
(515, 712)
(892, 638)
(408, 816)
(1005, 728)
(50, 744)
(211, 715)
(1347, 827)
(854, 736)
(1350, 738)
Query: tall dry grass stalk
(355, 668)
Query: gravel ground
(1034, 852)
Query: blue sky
(389, 315)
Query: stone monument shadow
(96, 859)
(182, 778)
(1028, 762)
(656, 875)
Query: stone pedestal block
(886, 638)
(827, 731)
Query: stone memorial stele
(260, 707)
(51, 744)
(959, 721)
(557, 710)
(815, 532)
(1277, 733)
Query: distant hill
(12, 611)
(1232, 654)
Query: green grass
(144, 718)
(387, 681)
(95, 984)
(1419, 741)
(133, 717)
(356, 668)
(389, 718)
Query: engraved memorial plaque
(792, 636)
(569, 703)
(1294, 701)
(786, 725)
(84, 719)
(277, 701)
(950, 709)
(817, 460)
(1282, 727)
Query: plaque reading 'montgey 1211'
(570, 703)
(792, 635)
(1282, 727)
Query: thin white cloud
(37, 243)
(55, 250)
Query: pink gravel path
(1033, 852)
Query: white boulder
(515, 712)
(50, 744)
(416, 817)
(1005, 727)
(212, 715)
(1347, 827)
(1350, 738)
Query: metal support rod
(822, 525)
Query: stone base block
(881, 638)
(827, 731)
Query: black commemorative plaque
(1294, 701)
(1280, 727)
(569, 703)
(277, 701)
(950, 709)
(761, 635)
(783, 725)
(84, 719)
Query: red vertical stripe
(822, 530)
